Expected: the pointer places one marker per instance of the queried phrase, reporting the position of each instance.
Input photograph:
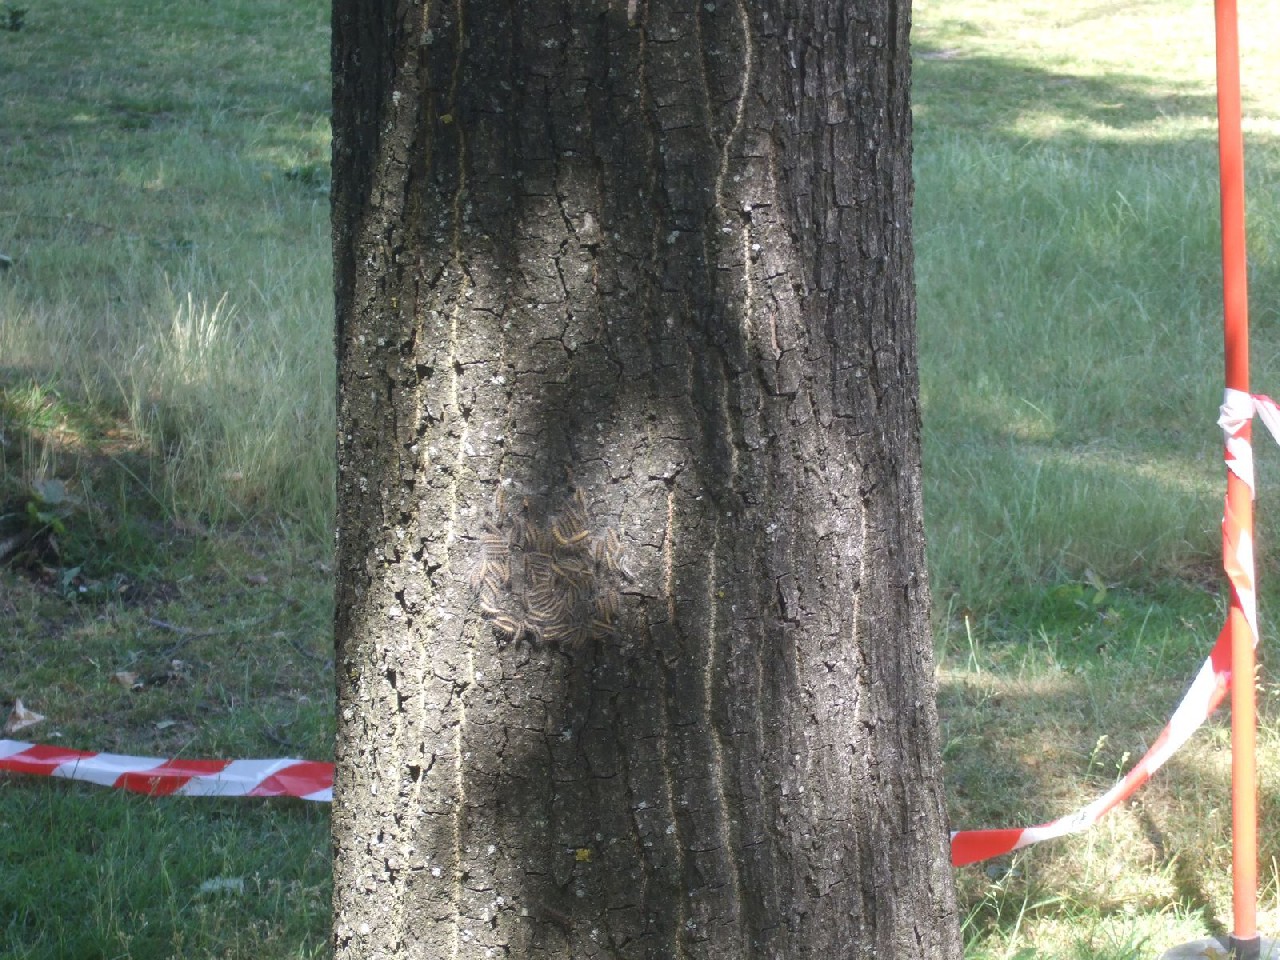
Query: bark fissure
(679, 835)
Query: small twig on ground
(186, 632)
(274, 736)
(310, 655)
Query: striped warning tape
(1209, 687)
(1206, 692)
(311, 780)
(307, 779)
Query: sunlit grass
(1070, 316)
(1069, 291)
(166, 349)
(1068, 303)
(170, 238)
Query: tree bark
(633, 651)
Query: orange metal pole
(1244, 785)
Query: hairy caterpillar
(547, 578)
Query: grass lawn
(1069, 283)
(165, 347)
(165, 351)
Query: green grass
(1069, 287)
(166, 352)
(163, 878)
(165, 348)
(1070, 314)
(228, 640)
(166, 206)
(1071, 360)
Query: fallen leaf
(126, 678)
(232, 885)
(21, 718)
(51, 490)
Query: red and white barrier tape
(1208, 688)
(307, 779)
(312, 780)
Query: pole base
(1211, 948)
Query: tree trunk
(633, 651)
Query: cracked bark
(633, 656)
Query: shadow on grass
(993, 96)
(1187, 873)
(132, 635)
(1070, 278)
(72, 492)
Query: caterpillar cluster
(549, 582)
